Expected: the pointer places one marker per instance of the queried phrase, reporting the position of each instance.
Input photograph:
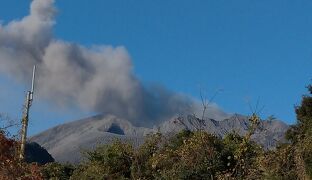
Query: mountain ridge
(66, 141)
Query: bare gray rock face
(66, 142)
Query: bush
(107, 161)
(57, 171)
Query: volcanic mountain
(66, 142)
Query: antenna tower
(28, 102)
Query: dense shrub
(294, 160)
(107, 161)
(186, 155)
(57, 171)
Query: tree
(188, 155)
(142, 166)
(111, 161)
(57, 171)
(301, 135)
(294, 160)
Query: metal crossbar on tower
(25, 118)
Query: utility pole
(28, 102)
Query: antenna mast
(28, 102)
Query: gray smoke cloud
(97, 79)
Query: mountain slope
(65, 142)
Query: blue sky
(250, 49)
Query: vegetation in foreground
(186, 155)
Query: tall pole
(25, 118)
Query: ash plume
(98, 79)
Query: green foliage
(179, 139)
(242, 156)
(107, 161)
(57, 171)
(304, 116)
(294, 161)
(280, 163)
(188, 156)
(303, 128)
(141, 167)
(302, 139)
